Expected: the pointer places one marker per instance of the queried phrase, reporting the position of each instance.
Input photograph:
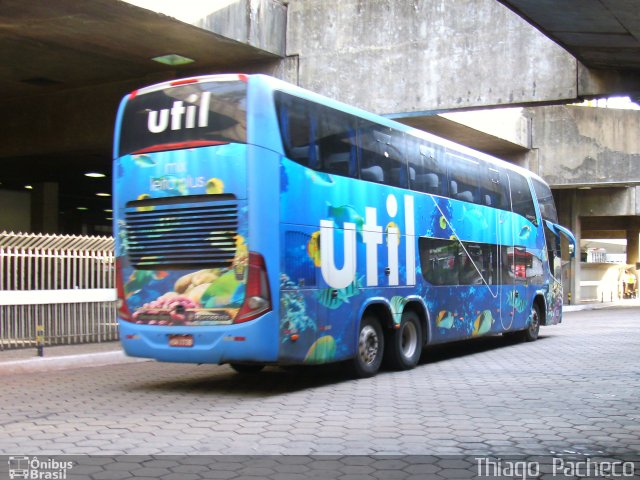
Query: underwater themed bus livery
(258, 224)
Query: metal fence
(56, 289)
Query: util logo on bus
(192, 115)
(372, 237)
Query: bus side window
(382, 155)
(336, 136)
(494, 188)
(316, 136)
(439, 260)
(481, 264)
(521, 199)
(463, 178)
(426, 174)
(295, 128)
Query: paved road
(576, 390)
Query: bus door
(504, 278)
(554, 235)
(518, 298)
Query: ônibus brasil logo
(36, 469)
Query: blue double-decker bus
(260, 224)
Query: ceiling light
(107, 210)
(94, 175)
(173, 59)
(103, 194)
(82, 209)
(109, 218)
(28, 187)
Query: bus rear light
(257, 300)
(123, 310)
(186, 81)
(179, 146)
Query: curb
(596, 306)
(66, 362)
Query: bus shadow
(273, 381)
(269, 382)
(447, 351)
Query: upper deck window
(545, 201)
(316, 136)
(195, 114)
(521, 198)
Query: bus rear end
(190, 288)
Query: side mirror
(560, 230)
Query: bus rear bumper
(245, 342)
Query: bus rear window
(195, 114)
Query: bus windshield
(182, 116)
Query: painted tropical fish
(322, 350)
(525, 232)
(182, 187)
(139, 278)
(443, 222)
(144, 161)
(397, 306)
(445, 319)
(313, 248)
(319, 178)
(345, 213)
(389, 226)
(241, 257)
(483, 323)
(518, 303)
(327, 298)
(144, 196)
(221, 291)
(214, 186)
(474, 216)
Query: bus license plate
(181, 340)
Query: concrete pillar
(44, 208)
(574, 272)
(632, 246)
(568, 213)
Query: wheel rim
(535, 322)
(368, 345)
(409, 339)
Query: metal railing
(56, 289)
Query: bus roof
(277, 84)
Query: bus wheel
(368, 357)
(246, 367)
(531, 333)
(405, 343)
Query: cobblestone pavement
(576, 391)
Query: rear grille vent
(197, 231)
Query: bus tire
(246, 367)
(404, 345)
(530, 334)
(370, 348)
